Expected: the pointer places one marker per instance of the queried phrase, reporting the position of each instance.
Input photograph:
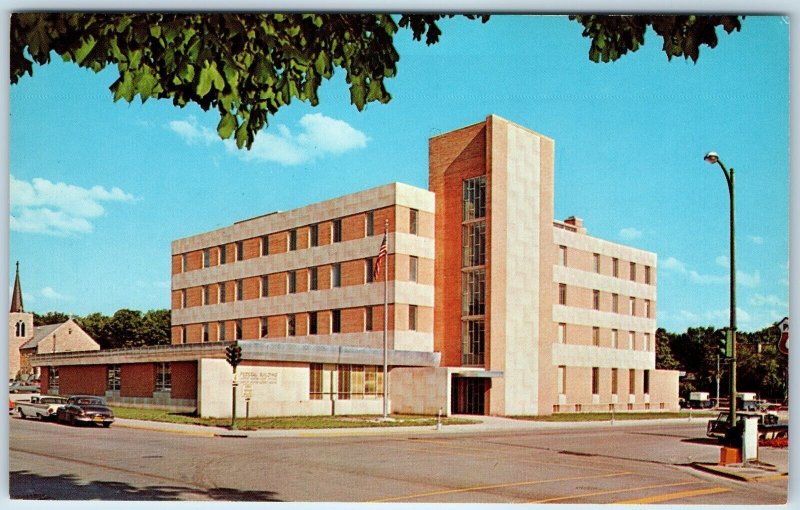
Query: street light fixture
(712, 158)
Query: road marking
(771, 477)
(577, 496)
(495, 486)
(672, 495)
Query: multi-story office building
(494, 307)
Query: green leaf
(226, 126)
(204, 83)
(85, 49)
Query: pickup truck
(768, 425)
(44, 408)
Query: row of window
(597, 265)
(292, 240)
(313, 325)
(473, 276)
(615, 299)
(291, 285)
(614, 343)
(346, 382)
(561, 381)
(162, 383)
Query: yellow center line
(494, 486)
(771, 477)
(588, 494)
(672, 495)
(444, 444)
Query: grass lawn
(290, 422)
(652, 415)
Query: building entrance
(469, 395)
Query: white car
(44, 408)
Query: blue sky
(98, 190)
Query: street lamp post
(713, 157)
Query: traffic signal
(233, 353)
(723, 340)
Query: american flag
(381, 255)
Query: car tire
(21, 413)
(106, 425)
(71, 420)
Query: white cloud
(50, 293)
(723, 261)
(769, 300)
(673, 264)
(755, 239)
(630, 233)
(44, 207)
(319, 136)
(748, 280)
(742, 278)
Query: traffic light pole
(233, 407)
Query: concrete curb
(740, 473)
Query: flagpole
(386, 324)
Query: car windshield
(89, 401)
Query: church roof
(39, 334)
(16, 297)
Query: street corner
(750, 472)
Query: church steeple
(16, 297)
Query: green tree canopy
(247, 66)
(50, 318)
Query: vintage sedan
(44, 408)
(85, 409)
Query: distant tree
(96, 326)
(665, 360)
(49, 318)
(155, 327)
(247, 66)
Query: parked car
(22, 387)
(85, 409)
(769, 425)
(44, 408)
(10, 406)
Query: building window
(474, 198)
(562, 293)
(163, 377)
(183, 299)
(595, 380)
(615, 267)
(264, 286)
(292, 281)
(562, 255)
(633, 305)
(561, 379)
(337, 231)
(336, 321)
(263, 327)
(614, 380)
(221, 290)
(312, 323)
(312, 278)
(237, 331)
(206, 299)
(205, 332)
(412, 317)
(615, 303)
(183, 334)
(264, 246)
(113, 378)
(369, 223)
(239, 250)
(596, 262)
(223, 254)
(596, 336)
(412, 268)
(336, 275)
(631, 381)
(291, 322)
(646, 345)
(474, 244)
(207, 257)
(53, 379)
(20, 328)
(596, 299)
(343, 382)
(631, 340)
(183, 262)
(647, 308)
(413, 215)
(562, 333)
(633, 271)
(313, 234)
(368, 318)
(292, 240)
(221, 331)
(368, 265)
(315, 381)
(472, 342)
(646, 382)
(239, 290)
(647, 275)
(473, 288)
(614, 339)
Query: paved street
(645, 463)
